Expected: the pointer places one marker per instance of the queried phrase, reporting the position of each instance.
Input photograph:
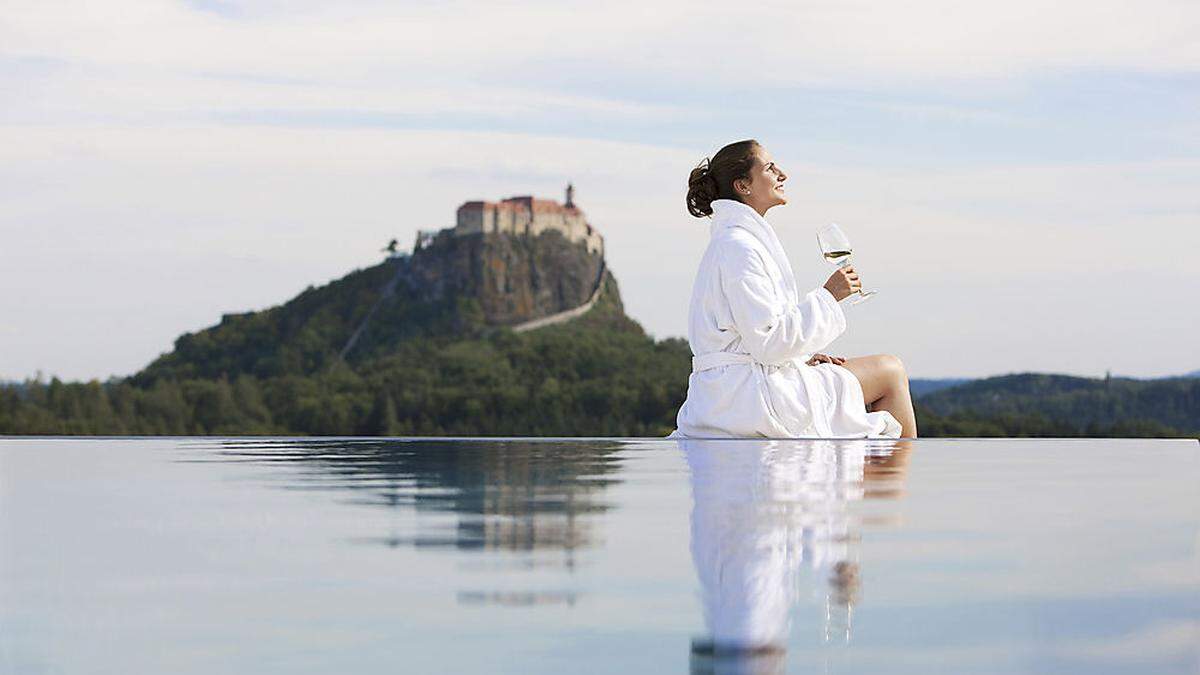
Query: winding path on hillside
(565, 315)
(390, 288)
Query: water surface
(598, 555)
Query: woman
(756, 370)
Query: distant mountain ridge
(919, 387)
(1041, 404)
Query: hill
(455, 286)
(1032, 404)
(450, 340)
(920, 387)
(433, 343)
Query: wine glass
(835, 246)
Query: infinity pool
(598, 555)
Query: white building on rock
(527, 215)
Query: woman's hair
(714, 179)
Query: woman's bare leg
(885, 387)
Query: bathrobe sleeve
(772, 330)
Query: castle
(523, 215)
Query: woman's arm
(772, 331)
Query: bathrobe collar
(733, 213)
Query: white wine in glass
(836, 248)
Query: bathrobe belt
(718, 359)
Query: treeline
(553, 382)
(575, 379)
(1036, 404)
(433, 368)
(982, 424)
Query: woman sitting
(756, 366)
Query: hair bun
(702, 189)
(713, 178)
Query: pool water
(598, 555)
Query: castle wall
(576, 227)
(595, 243)
(518, 219)
(526, 215)
(470, 219)
(539, 224)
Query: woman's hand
(843, 283)
(823, 358)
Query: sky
(1020, 179)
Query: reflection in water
(518, 599)
(764, 512)
(506, 495)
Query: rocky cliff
(514, 278)
(452, 287)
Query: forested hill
(437, 357)
(1032, 404)
(454, 287)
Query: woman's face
(765, 188)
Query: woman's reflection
(764, 512)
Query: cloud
(274, 142)
(69, 94)
(1171, 642)
(276, 208)
(710, 43)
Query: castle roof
(521, 203)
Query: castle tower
(570, 196)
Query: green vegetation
(566, 380)
(305, 335)
(1033, 404)
(432, 367)
(277, 372)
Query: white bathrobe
(751, 335)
